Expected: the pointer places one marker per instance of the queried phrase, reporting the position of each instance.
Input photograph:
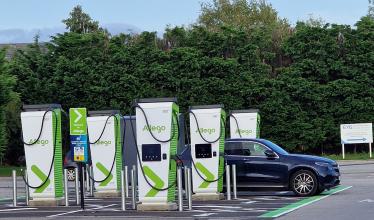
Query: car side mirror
(270, 154)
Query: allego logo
(243, 131)
(106, 143)
(206, 130)
(154, 128)
(41, 142)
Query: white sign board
(356, 133)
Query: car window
(246, 148)
(234, 148)
(254, 148)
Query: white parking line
(16, 209)
(80, 210)
(224, 210)
(249, 202)
(216, 206)
(205, 215)
(65, 213)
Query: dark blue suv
(263, 164)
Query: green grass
(7, 171)
(349, 156)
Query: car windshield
(275, 147)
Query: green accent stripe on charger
(156, 180)
(106, 172)
(118, 150)
(302, 203)
(57, 163)
(173, 151)
(208, 175)
(42, 177)
(221, 165)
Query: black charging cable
(115, 150)
(36, 140)
(162, 141)
(237, 124)
(222, 125)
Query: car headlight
(322, 164)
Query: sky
(20, 20)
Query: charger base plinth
(208, 196)
(47, 202)
(171, 206)
(107, 194)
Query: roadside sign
(361, 133)
(356, 133)
(78, 134)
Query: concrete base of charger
(47, 202)
(171, 206)
(108, 194)
(207, 196)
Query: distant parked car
(264, 165)
(70, 165)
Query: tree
(371, 8)
(6, 94)
(336, 63)
(239, 13)
(254, 16)
(80, 22)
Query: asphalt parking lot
(352, 200)
(248, 205)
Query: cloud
(27, 36)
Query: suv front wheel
(304, 183)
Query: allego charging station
(104, 129)
(157, 137)
(41, 130)
(207, 131)
(245, 123)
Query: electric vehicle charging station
(245, 123)
(157, 134)
(104, 129)
(41, 130)
(207, 132)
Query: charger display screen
(203, 150)
(151, 152)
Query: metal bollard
(180, 193)
(189, 188)
(234, 190)
(77, 186)
(87, 180)
(228, 186)
(123, 195)
(14, 176)
(135, 181)
(185, 182)
(66, 187)
(133, 188)
(83, 176)
(92, 184)
(27, 197)
(126, 181)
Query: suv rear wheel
(304, 183)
